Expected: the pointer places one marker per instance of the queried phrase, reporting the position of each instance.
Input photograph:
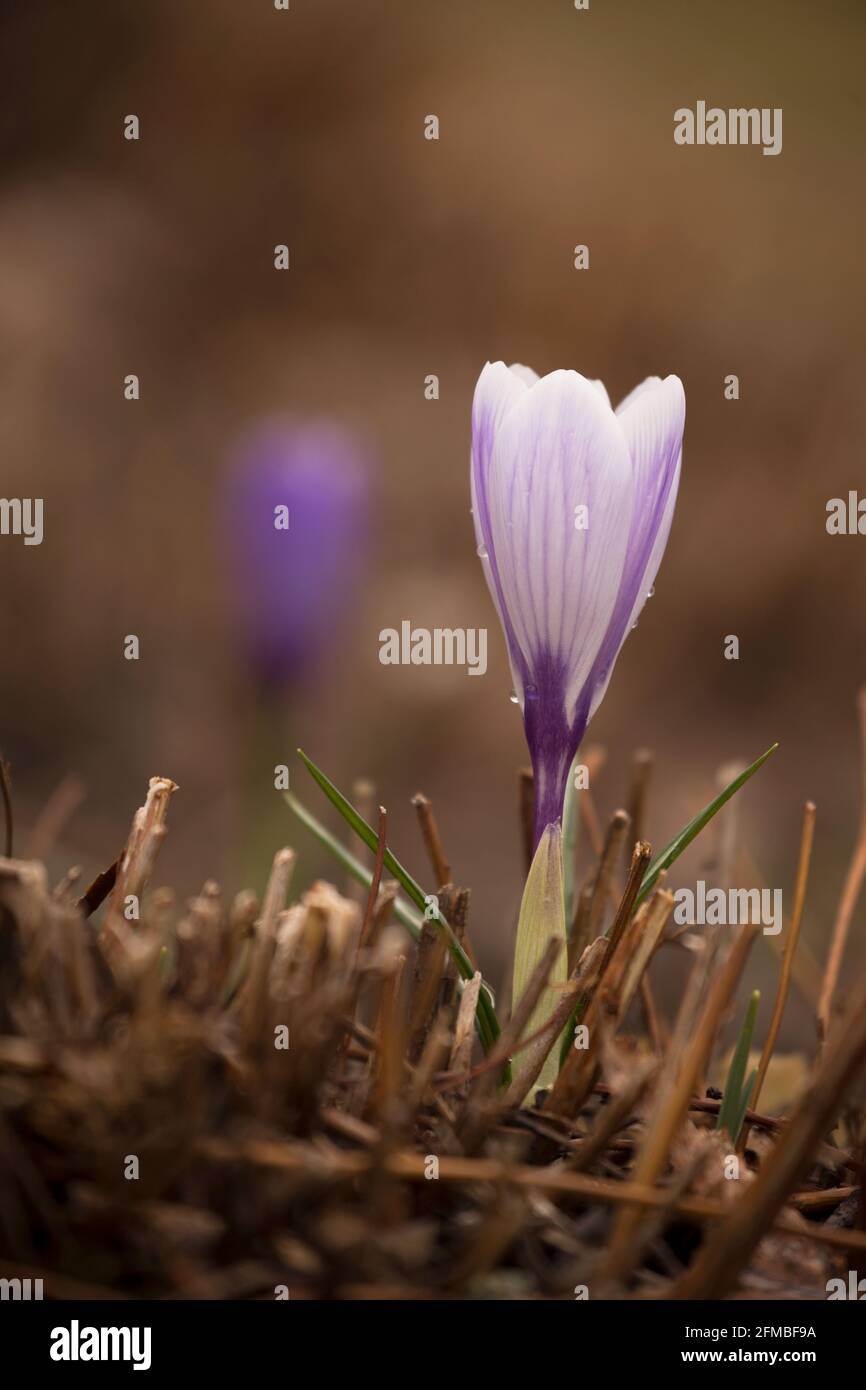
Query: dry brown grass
(378, 1154)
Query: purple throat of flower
(552, 738)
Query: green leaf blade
(740, 1115)
(487, 1022)
(680, 842)
(733, 1106)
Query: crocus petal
(498, 390)
(653, 421)
(652, 418)
(559, 448)
(524, 374)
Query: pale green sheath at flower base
(542, 916)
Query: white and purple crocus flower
(573, 504)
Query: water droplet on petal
(652, 591)
(531, 692)
(514, 698)
(634, 625)
(482, 552)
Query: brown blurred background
(412, 257)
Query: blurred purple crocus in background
(572, 503)
(297, 515)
